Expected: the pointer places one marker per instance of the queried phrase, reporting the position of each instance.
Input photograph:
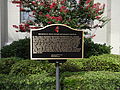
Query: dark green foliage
(100, 80)
(31, 82)
(21, 49)
(103, 62)
(106, 62)
(94, 49)
(6, 64)
(26, 67)
(94, 73)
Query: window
(25, 14)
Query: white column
(115, 26)
(0, 26)
(3, 23)
(108, 33)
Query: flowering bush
(79, 15)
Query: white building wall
(110, 34)
(101, 33)
(14, 19)
(115, 26)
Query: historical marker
(56, 41)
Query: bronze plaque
(56, 41)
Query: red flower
(88, 1)
(18, 5)
(18, 2)
(22, 28)
(34, 27)
(96, 5)
(87, 6)
(22, 9)
(53, 5)
(92, 36)
(97, 17)
(62, 2)
(48, 16)
(15, 26)
(49, 22)
(40, 13)
(57, 29)
(27, 25)
(41, 4)
(63, 9)
(33, 2)
(59, 18)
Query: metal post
(57, 76)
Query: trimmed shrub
(32, 82)
(94, 49)
(106, 62)
(95, 63)
(21, 49)
(103, 62)
(26, 67)
(92, 81)
(72, 66)
(6, 64)
(100, 80)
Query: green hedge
(100, 80)
(21, 49)
(102, 62)
(106, 62)
(26, 67)
(6, 64)
(94, 49)
(31, 82)
(94, 73)
(16, 66)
